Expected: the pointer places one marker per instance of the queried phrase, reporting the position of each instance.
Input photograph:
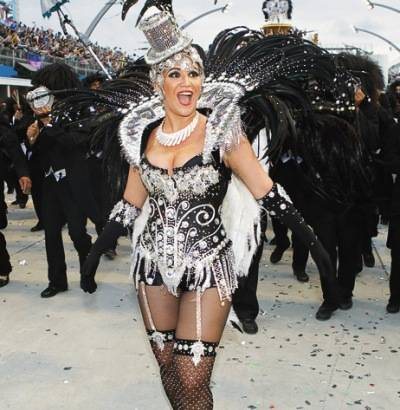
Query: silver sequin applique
(193, 182)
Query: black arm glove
(277, 203)
(122, 217)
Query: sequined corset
(184, 235)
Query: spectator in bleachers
(48, 43)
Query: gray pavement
(77, 351)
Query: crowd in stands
(48, 43)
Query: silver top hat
(164, 36)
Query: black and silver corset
(184, 238)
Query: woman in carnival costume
(195, 189)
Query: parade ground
(88, 352)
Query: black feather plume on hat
(164, 5)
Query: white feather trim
(138, 228)
(241, 218)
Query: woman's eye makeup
(177, 73)
(174, 74)
(194, 73)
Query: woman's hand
(33, 132)
(88, 272)
(135, 195)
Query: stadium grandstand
(25, 49)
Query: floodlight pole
(99, 17)
(67, 21)
(362, 30)
(372, 5)
(221, 9)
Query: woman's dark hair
(366, 70)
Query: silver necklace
(175, 138)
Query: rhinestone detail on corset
(184, 234)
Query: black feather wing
(101, 111)
(292, 79)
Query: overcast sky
(332, 19)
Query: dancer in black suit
(9, 149)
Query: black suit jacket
(12, 151)
(391, 158)
(59, 148)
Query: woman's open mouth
(185, 98)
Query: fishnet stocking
(164, 360)
(164, 309)
(193, 392)
(187, 386)
(193, 389)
